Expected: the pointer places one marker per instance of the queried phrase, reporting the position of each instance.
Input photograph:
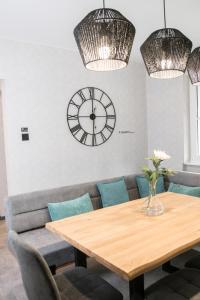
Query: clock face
(91, 116)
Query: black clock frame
(92, 117)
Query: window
(194, 125)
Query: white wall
(3, 177)
(166, 109)
(39, 82)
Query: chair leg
(53, 269)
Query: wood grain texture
(130, 243)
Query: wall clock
(91, 116)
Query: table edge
(137, 272)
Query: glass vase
(154, 207)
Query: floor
(11, 287)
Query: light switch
(25, 134)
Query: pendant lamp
(104, 39)
(165, 52)
(193, 66)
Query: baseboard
(2, 218)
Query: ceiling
(51, 22)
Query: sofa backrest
(185, 178)
(29, 211)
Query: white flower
(162, 155)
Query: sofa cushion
(181, 285)
(28, 211)
(70, 208)
(113, 193)
(185, 178)
(55, 251)
(81, 284)
(183, 189)
(143, 185)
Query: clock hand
(93, 133)
(95, 116)
(94, 127)
(94, 108)
(92, 105)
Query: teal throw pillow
(113, 193)
(61, 210)
(143, 185)
(183, 189)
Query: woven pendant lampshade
(165, 52)
(104, 38)
(193, 66)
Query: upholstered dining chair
(194, 262)
(40, 284)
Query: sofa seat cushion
(54, 250)
(80, 284)
(181, 285)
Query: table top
(128, 242)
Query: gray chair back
(37, 278)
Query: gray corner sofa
(27, 214)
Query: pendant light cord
(164, 9)
(104, 6)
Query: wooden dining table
(130, 243)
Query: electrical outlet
(25, 137)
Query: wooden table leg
(136, 288)
(169, 268)
(80, 258)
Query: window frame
(194, 131)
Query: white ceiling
(51, 22)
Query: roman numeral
(103, 136)
(82, 96)
(91, 91)
(108, 105)
(84, 138)
(111, 116)
(73, 103)
(109, 127)
(76, 129)
(94, 140)
(72, 117)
